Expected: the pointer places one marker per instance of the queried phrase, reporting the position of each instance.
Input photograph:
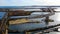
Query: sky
(28, 2)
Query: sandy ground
(18, 21)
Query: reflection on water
(55, 17)
(53, 33)
(28, 26)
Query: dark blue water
(16, 33)
(2, 14)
